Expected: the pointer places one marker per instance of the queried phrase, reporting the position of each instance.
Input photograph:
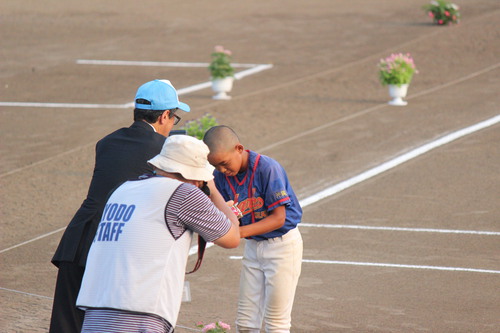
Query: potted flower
(396, 71)
(218, 327)
(442, 12)
(198, 127)
(221, 72)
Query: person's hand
(235, 209)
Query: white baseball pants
(269, 277)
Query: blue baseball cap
(161, 95)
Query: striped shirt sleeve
(190, 208)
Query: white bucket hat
(186, 155)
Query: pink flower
(208, 327)
(219, 48)
(447, 13)
(431, 14)
(440, 22)
(228, 52)
(224, 325)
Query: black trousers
(66, 318)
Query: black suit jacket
(120, 156)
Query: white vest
(134, 263)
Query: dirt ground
(414, 249)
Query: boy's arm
(275, 220)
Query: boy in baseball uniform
(259, 187)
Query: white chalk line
(375, 264)
(47, 159)
(181, 91)
(32, 240)
(254, 69)
(155, 63)
(379, 106)
(398, 161)
(26, 294)
(64, 105)
(208, 84)
(459, 80)
(192, 250)
(377, 228)
(365, 175)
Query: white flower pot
(221, 87)
(397, 94)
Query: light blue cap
(162, 96)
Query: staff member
(135, 270)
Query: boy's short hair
(221, 138)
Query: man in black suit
(120, 156)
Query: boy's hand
(236, 211)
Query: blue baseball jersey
(260, 189)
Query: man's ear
(164, 117)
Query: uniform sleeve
(195, 211)
(275, 191)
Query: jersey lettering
(280, 195)
(249, 204)
(110, 228)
